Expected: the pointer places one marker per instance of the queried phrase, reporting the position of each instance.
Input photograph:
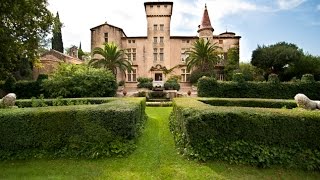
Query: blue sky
(259, 22)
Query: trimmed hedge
(247, 102)
(242, 135)
(88, 131)
(23, 103)
(24, 89)
(209, 87)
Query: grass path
(155, 158)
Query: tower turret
(205, 29)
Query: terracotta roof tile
(205, 23)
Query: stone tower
(205, 29)
(158, 16)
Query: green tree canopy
(110, 57)
(56, 41)
(232, 62)
(203, 55)
(71, 80)
(308, 64)
(250, 72)
(80, 52)
(23, 23)
(274, 58)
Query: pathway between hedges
(156, 156)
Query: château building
(151, 55)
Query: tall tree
(110, 57)
(80, 52)
(308, 64)
(203, 55)
(232, 62)
(275, 58)
(23, 23)
(57, 43)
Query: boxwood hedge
(250, 102)
(88, 131)
(209, 87)
(245, 135)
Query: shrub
(23, 89)
(273, 78)
(9, 84)
(205, 85)
(157, 94)
(144, 82)
(242, 135)
(250, 102)
(197, 74)
(121, 83)
(89, 131)
(80, 81)
(28, 89)
(284, 90)
(307, 78)
(42, 77)
(172, 84)
(238, 77)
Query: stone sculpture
(8, 100)
(304, 102)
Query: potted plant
(121, 85)
(124, 92)
(189, 93)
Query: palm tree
(110, 57)
(203, 55)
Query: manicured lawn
(155, 158)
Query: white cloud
(289, 4)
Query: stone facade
(50, 60)
(159, 51)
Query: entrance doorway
(158, 77)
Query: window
(158, 6)
(161, 40)
(129, 54)
(151, 6)
(155, 27)
(132, 75)
(161, 27)
(106, 37)
(161, 54)
(155, 54)
(185, 75)
(155, 40)
(133, 54)
(188, 41)
(165, 6)
(129, 41)
(133, 41)
(220, 41)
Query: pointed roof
(205, 23)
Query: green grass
(155, 158)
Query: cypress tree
(56, 42)
(80, 52)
